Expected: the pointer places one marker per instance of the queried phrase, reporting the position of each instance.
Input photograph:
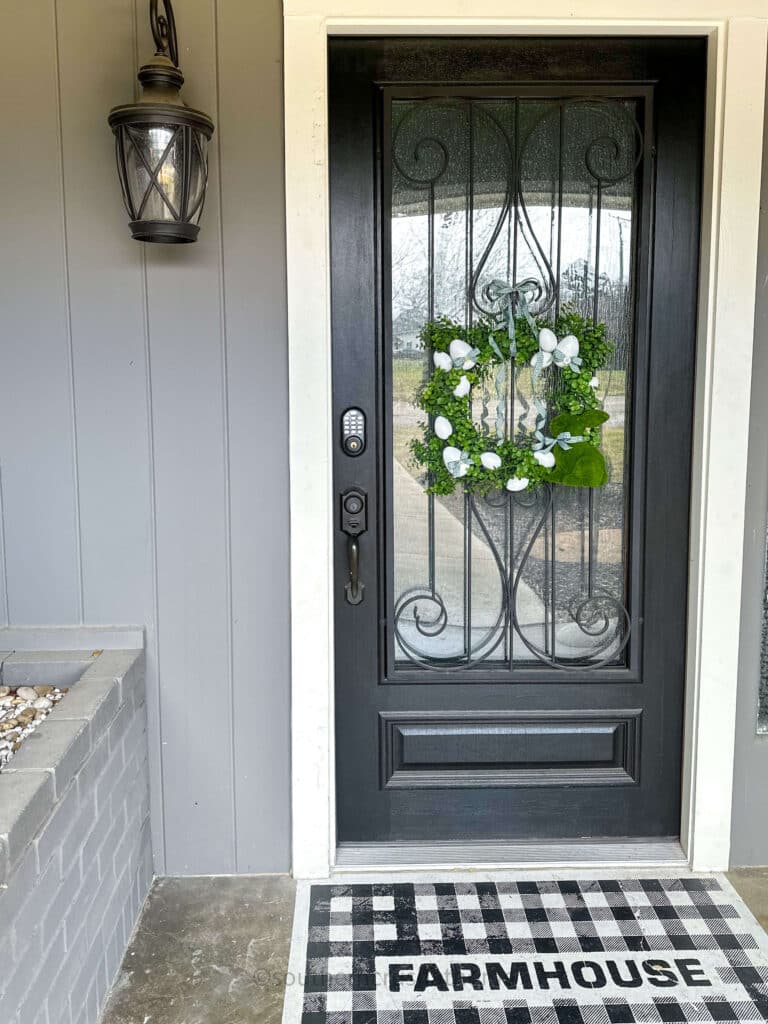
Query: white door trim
(735, 96)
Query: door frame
(736, 77)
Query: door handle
(354, 521)
(354, 589)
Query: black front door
(510, 665)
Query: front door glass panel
(512, 187)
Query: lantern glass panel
(155, 171)
(198, 175)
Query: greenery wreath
(563, 447)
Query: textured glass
(511, 189)
(762, 709)
(198, 176)
(155, 156)
(155, 161)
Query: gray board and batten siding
(144, 417)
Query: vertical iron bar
(468, 578)
(467, 505)
(431, 252)
(596, 293)
(467, 243)
(516, 186)
(431, 316)
(471, 208)
(553, 512)
(507, 641)
(595, 313)
(546, 588)
(592, 545)
(510, 402)
(560, 159)
(583, 569)
(516, 172)
(553, 584)
(516, 200)
(510, 580)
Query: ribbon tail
(538, 366)
(511, 330)
(494, 347)
(501, 375)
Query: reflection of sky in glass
(409, 252)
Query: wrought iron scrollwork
(432, 149)
(599, 617)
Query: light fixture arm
(164, 31)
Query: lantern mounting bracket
(164, 31)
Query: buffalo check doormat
(580, 951)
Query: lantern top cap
(161, 80)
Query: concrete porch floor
(215, 950)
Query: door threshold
(457, 855)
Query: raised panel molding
(464, 749)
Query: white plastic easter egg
(545, 459)
(460, 350)
(545, 357)
(443, 427)
(547, 340)
(569, 346)
(594, 383)
(462, 388)
(517, 483)
(490, 460)
(442, 361)
(451, 454)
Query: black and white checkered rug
(588, 951)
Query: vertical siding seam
(68, 320)
(6, 602)
(226, 442)
(152, 500)
(153, 534)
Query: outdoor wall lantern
(161, 146)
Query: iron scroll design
(435, 157)
(164, 30)
(599, 616)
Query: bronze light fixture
(161, 146)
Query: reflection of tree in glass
(577, 287)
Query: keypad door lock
(354, 521)
(353, 432)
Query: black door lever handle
(354, 521)
(354, 588)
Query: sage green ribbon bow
(565, 439)
(458, 362)
(511, 300)
(454, 465)
(559, 358)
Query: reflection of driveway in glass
(411, 559)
